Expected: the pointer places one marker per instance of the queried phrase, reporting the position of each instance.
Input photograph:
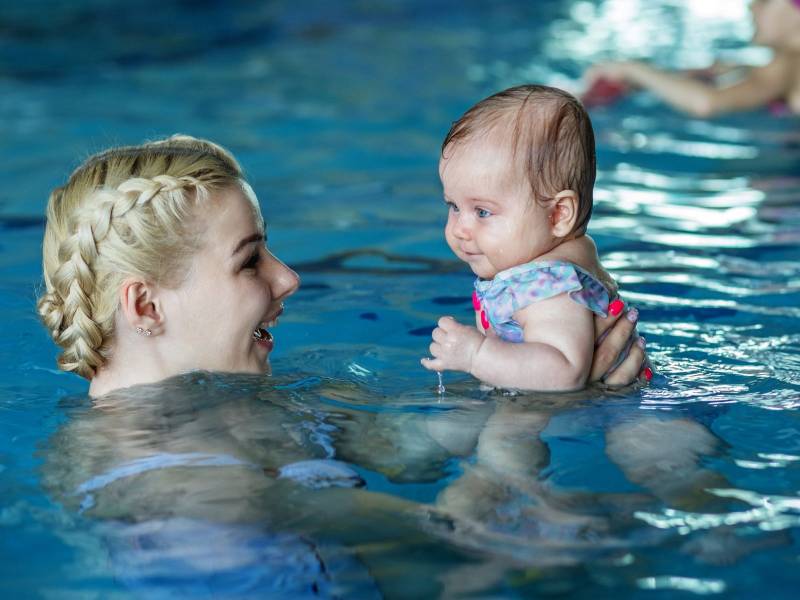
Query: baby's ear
(564, 213)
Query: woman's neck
(127, 367)
(106, 381)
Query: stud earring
(142, 331)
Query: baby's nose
(461, 228)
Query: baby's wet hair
(550, 135)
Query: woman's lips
(261, 333)
(264, 338)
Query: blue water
(690, 486)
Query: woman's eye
(252, 262)
(483, 213)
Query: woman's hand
(612, 335)
(454, 346)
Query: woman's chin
(263, 364)
(259, 367)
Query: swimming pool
(337, 114)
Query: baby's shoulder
(538, 280)
(582, 252)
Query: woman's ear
(141, 307)
(564, 213)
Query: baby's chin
(478, 265)
(484, 272)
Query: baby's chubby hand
(454, 346)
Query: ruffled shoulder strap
(516, 288)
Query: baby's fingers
(435, 349)
(432, 364)
(448, 323)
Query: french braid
(125, 212)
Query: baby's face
(493, 224)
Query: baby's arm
(556, 353)
(700, 98)
(613, 332)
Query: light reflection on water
(699, 221)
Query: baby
(518, 170)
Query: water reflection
(699, 220)
(208, 484)
(314, 486)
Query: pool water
(346, 474)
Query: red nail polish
(648, 373)
(616, 307)
(484, 320)
(476, 304)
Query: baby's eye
(452, 206)
(483, 213)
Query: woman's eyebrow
(256, 237)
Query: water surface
(201, 486)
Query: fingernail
(616, 307)
(633, 315)
(641, 342)
(648, 373)
(484, 320)
(476, 304)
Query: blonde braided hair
(126, 212)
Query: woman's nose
(282, 280)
